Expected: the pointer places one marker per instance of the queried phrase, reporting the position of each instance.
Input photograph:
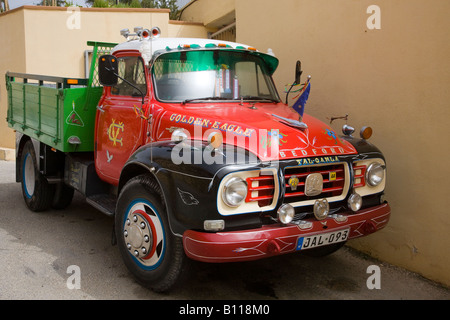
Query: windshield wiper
(259, 98)
(206, 98)
(243, 98)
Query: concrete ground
(46, 255)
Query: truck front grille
(261, 189)
(333, 182)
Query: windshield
(196, 76)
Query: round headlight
(234, 192)
(354, 202)
(286, 213)
(375, 174)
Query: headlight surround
(234, 192)
(375, 174)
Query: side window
(131, 69)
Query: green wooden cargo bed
(59, 112)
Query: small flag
(299, 105)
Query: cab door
(119, 130)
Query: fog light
(321, 209)
(354, 202)
(214, 225)
(286, 213)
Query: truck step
(106, 203)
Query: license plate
(322, 239)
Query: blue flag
(299, 105)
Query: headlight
(234, 192)
(375, 174)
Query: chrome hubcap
(138, 235)
(143, 234)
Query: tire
(325, 250)
(37, 192)
(63, 196)
(148, 248)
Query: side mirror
(298, 72)
(107, 70)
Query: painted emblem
(74, 118)
(278, 137)
(273, 136)
(113, 132)
(188, 198)
(313, 184)
(293, 182)
(331, 136)
(109, 157)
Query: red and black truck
(187, 144)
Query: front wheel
(149, 249)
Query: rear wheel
(149, 249)
(36, 190)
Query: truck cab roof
(153, 47)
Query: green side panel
(78, 118)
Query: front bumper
(270, 240)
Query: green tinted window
(220, 74)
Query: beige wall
(394, 79)
(37, 40)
